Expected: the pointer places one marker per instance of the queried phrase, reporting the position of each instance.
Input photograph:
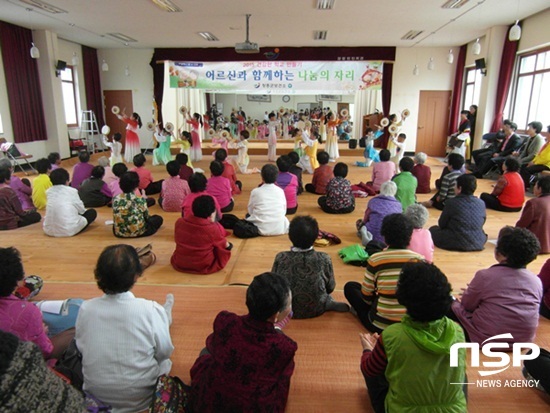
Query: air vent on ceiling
(320, 35)
(208, 36)
(412, 34)
(167, 5)
(122, 37)
(44, 6)
(325, 4)
(454, 4)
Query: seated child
(321, 175)
(219, 187)
(145, 177)
(406, 183)
(12, 214)
(422, 173)
(382, 171)
(65, 212)
(309, 272)
(421, 240)
(288, 183)
(41, 183)
(197, 185)
(116, 148)
(174, 189)
(82, 170)
(228, 171)
(94, 192)
(185, 170)
(407, 367)
(339, 198)
(201, 247)
(455, 162)
(130, 213)
(22, 187)
(55, 160)
(296, 170)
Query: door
(122, 99)
(433, 122)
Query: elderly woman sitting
(504, 298)
(421, 240)
(378, 207)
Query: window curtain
(457, 90)
(92, 83)
(22, 84)
(504, 79)
(366, 102)
(158, 86)
(387, 81)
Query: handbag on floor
(245, 229)
(354, 255)
(171, 396)
(70, 365)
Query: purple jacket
(81, 172)
(377, 208)
(23, 192)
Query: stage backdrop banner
(277, 77)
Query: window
(68, 85)
(532, 89)
(472, 88)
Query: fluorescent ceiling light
(122, 37)
(208, 36)
(454, 4)
(44, 6)
(412, 34)
(325, 4)
(167, 5)
(320, 35)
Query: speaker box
(61, 65)
(480, 63)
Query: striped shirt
(380, 285)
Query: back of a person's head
(216, 168)
(103, 161)
(323, 157)
(43, 165)
(537, 126)
(139, 160)
(182, 158)
(5, 163)
(455, 161)
(117, 137)
(197, 182)
(203, 206)
(420, 158)
(406, 164)
(512, 164)
(220, 154)
(340, 170)
(129, 181)
(385, 155)
(417, 214)
(53, 157)
(5, 175)
(98, 172)
(303, 231)
(467, 184)
(269, 173)
(173, 168)
(388, 188)
(294, 157)
(424, 291)
(283, 163)
(397, 230)
(11, 270)
(245, 134)
(83, 156)
(267, 294)
(117, 268)
(119, 169)
(519, 245)
(59, 176)
(544, 185)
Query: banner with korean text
(277, 77)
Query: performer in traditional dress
(331, 146)
(132, 146)
(272, 139)
(162, 154)
(196, 123)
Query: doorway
(122, 99)
(433, 121)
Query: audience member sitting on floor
(506, 297)
(201, 247)
(382, 171)
(380, 280)
(12, 215)
(197, 184)
(407, 367)
(460, 225)
(146, 182)
(536, 214)
(321, 175)
(422, 173)
(406, 183)
(309, 272)
(247, 363)
(296, 170)
(22, 187)
(185, 170)
(421, 240)
(41, 183)
(66, 214)
(288, 183)
(369, 228)
(120, 169)
(82, 170)
(540, 163)
(174, 189)
(94, 192)
(339, 198)
(55, 160)
(219, 187)
(510, 144)
(544, 276)
(130, 213)
(109, 175)
(455, 162)
(228, 171)
(508, 193)
(125, 341)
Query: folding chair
(15, 155)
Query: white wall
(535, 32)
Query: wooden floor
(72, 261)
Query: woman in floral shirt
(130, 213)
(339, 198)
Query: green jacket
(406, 188)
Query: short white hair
(388, 188)
(103, 161)
(420, 158)
(418, 215)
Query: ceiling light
(412, 34)
(104, 66)
(515, 32)
(320, 35)
(416, 70)
(476, 48)
(122, 37)
(454, 4)
(450, 57)
(325, 4)
(208, 36)
(167, 5)
(44, 6)
(74, 60)
(35, 53)
(431, 64)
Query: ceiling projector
(247, 47)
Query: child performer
(162, 154)
(186, 143)
(133, 146)
(243, 159)
(116, 148)
(196, 123)
(272, 138)
(332, 138)
(263, 130)
(308, 160)
(398, 148)
(370, 154)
